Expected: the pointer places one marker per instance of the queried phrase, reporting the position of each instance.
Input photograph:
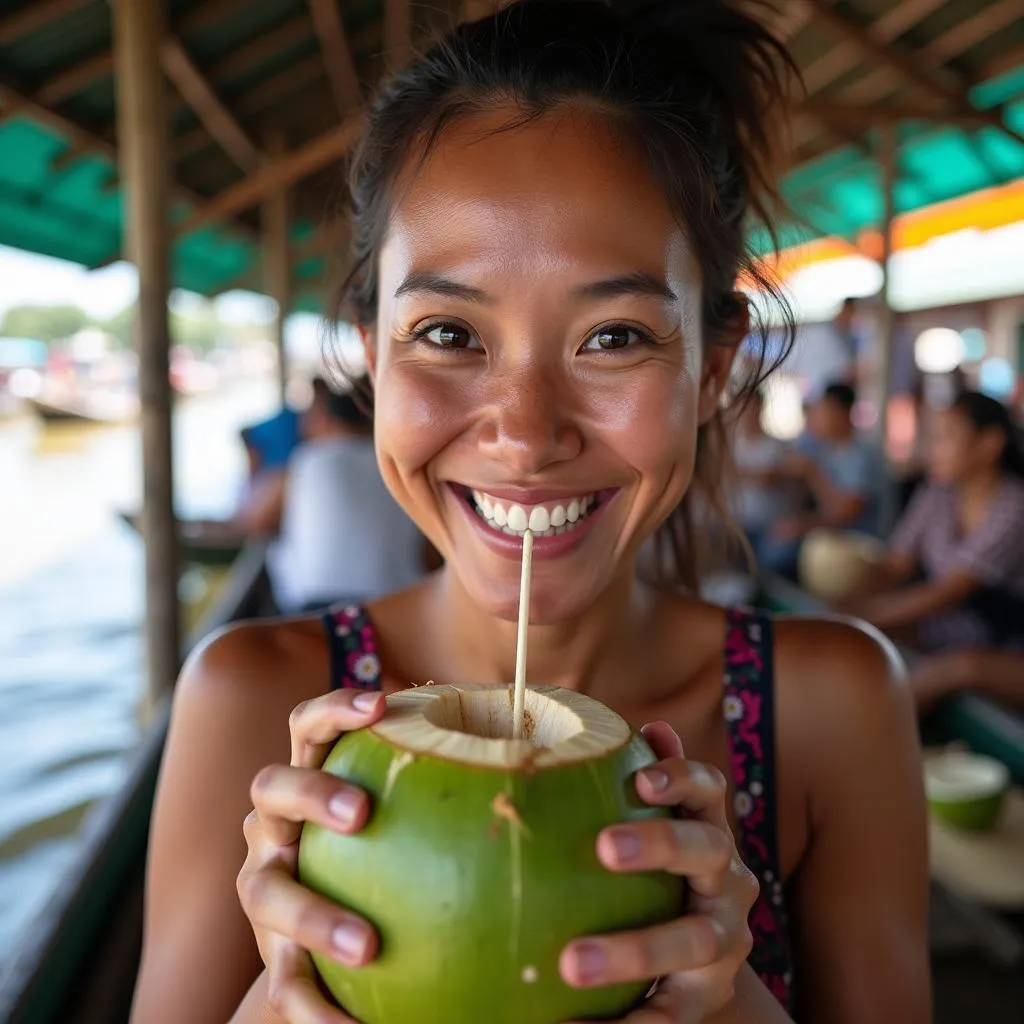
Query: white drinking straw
(519, 695)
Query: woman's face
(952, 447)
(538, 357)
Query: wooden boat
(194, 550)
(81, 413)
(78, 964)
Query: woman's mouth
(560, 523)
(543, 519)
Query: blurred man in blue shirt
(842, 473)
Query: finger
(686, 998)
(315, 725)
(298, 1001)
(700, 788)
(686, 944)
(663, 739)
(279, 904)
(679, 846)
(286, 797)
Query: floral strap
(352, 640)
(749, 705)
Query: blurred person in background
(840, 472)
(340, 535)
(982, 670)
(763, 494)
(964, 534)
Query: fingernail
(626, 844)
(349, 940)
(344, 806)
(656, 779)
(591, 962)
(365, 701)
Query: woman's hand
(289, 920)
(698, 956)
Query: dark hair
(984, 413)
(353, 408)
(694, 83)
(842, 394)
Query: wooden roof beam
(200, 96)
(847, 55)
(881, 114)
(947, 47)
(76, 79)
(11, 106)
(90, 141)
(271, 90)
(1009, 61)
(101, 65)
(337, 56)
(208, 14)
(74, 132)
(299, 164)
(979, 26)
(73, 153)
(35, 16)
(905, 65)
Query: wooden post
(276, 255)
(143, 158)
(889, 164)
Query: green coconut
(478, 864)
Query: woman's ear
(369, 341)
(719, 357)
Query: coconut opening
(487, 713)
(473, 724)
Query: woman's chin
(552, 600)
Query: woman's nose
(531, 426)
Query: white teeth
(514, 520)
(517, 518)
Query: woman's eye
(448, 336)
(607, 339)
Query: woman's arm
(199, 957)
(860, 893)
(914, 604)
(1000, 673)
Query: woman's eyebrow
(423, 283)
(637, 283)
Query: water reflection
(71, 602)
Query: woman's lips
(559, 524)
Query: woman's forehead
(562, 189)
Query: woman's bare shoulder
(825, 657)
(257, 669)
(843, 700)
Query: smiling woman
(549, 211)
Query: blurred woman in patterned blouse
(953, 579)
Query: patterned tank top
(748, 707)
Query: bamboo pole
(143, 157)
(889, 165)
(276, 255)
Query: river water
(71, 605)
